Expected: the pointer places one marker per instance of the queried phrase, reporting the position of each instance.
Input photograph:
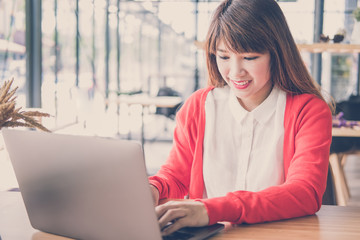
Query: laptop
(87, 187)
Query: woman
(254, 145)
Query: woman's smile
(241, 84)
(247, 74)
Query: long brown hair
(258, 26)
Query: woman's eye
(223, 57)
(250, 58)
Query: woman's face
(247, 74)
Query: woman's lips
(241, 84)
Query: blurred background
(73, 58)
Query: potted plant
(11, 116)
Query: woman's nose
(237, 70)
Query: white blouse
(242, 150)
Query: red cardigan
(307, 139)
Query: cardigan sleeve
(173, 178)
(307, 142)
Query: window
(12, 45)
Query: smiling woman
(254, 145)
(247, 74)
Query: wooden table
(346, 132)
(331, 222)
(329, 47)
(144, 101)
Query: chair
(341, 147)
(329, 197)
(168, 112)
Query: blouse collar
(261, 113)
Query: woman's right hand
(155, 194)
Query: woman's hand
(183, 214)
(155, 194)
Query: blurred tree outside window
(12, 45)
(95, 50)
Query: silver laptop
(87, 187)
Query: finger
(161, 209)
(174, 227)
(172, 215)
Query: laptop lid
(83, 187)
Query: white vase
(355, 35)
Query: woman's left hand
(183, 214)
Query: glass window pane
(12, 46)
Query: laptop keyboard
(178, 236)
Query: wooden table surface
(346, 132)
(145, 100)
(331, 222)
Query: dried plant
(10, 116)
